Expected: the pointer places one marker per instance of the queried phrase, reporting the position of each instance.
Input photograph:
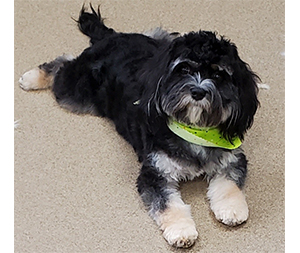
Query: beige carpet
(75, 177)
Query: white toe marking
(177, 223)
(227, 201)
(36, 79)
(29, 81)
(182, 233)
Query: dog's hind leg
(42, 77)
(71, 81)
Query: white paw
(30, 80)
(230, 211)
(181, 234)
(227, 201)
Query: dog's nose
(197, 93)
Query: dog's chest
(174, 168)
(212, 160)
(193, 161)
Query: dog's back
(106, 79)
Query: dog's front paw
(227, 202)
(231, 212)
(181, 234)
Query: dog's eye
(186, 70)
(217, 75)
(183, 69)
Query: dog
(184, 102)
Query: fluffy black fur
(139, 82)
(120, 69)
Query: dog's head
(206, 84)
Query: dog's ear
(246, 82)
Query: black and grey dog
(173, 98)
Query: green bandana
(208, 137)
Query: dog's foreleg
(42, 77)
(176, 222)
(227, 201)
(161, 196)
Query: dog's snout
(198, 93)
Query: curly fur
(139, 81)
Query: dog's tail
(91, 24)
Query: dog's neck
(207, 137)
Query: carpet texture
(75, 176)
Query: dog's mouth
(197, 112)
